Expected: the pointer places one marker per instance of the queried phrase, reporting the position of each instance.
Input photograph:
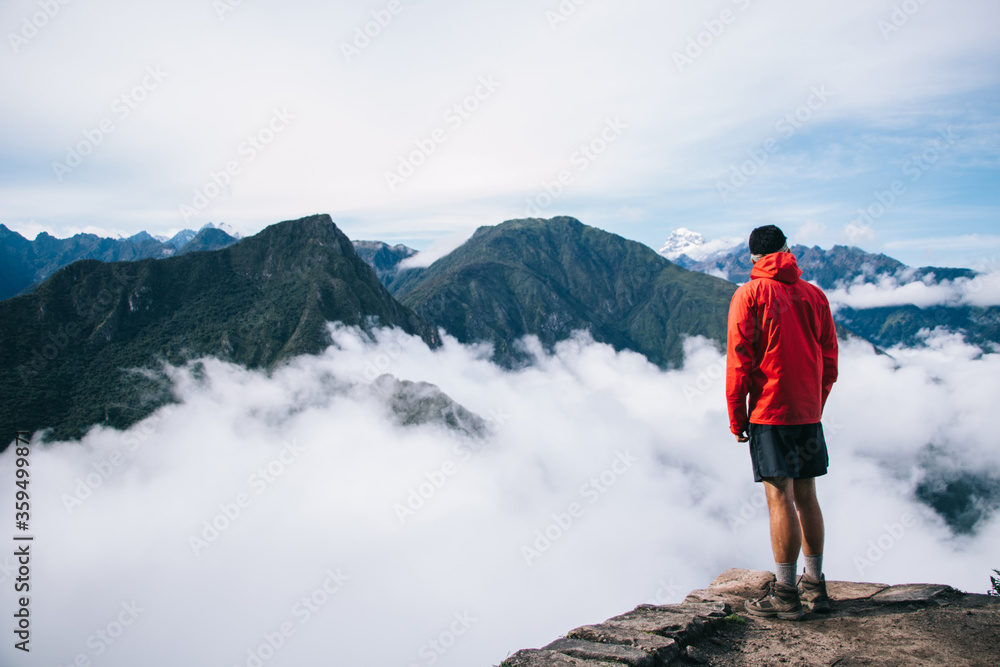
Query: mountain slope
(551, 277)
(68, 347)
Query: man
(782, 353)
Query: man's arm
(741, 334)
(829, 345)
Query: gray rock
(910, 593)
(696, 654)
(418, 403)
(542, 658)
(852, 590)
(587, 650)
(663, 649)
(683, 622)
(741, 583)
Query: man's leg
(786, 533)
(812, 587)
(786, 541)
(810, 519)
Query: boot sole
(783, 615)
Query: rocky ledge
(870, 624)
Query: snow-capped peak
(683, 241)
(680, 242)
(229, 229)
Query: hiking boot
(813, 594)
(781, 601)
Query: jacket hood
(780, 266)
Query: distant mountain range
(25, 263)
(841, 267)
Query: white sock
(785, 572)
(814, 566)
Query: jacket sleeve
(740, 338)
(829, 345)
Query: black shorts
(798, 452)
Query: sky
(311, 530)
(859, 122)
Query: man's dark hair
(767, 239)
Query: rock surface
(870, 624)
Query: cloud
(437, 249)
(287, 514)
(811, 232)
(896, 290)
(859, 233)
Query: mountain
(85, 347)
(384, 258)
(841, 265)
(683, 244)
(552, 277)
(180, 239)
(209, 238)
(24, 263)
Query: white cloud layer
(896, 290)
(302, 475)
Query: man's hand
(743, 437)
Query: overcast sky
(717, 116)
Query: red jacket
(782, 347)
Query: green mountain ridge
(70, 346)
(552, 277)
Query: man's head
(766, 240)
